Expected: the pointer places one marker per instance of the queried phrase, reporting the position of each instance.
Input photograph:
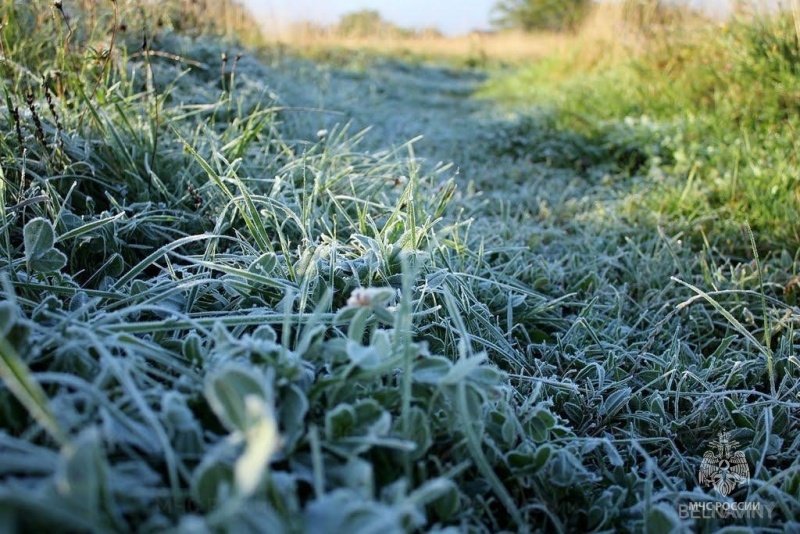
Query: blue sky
(450, 16)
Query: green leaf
(488, 376)
(265, 333)
(441, 493)
(575, 412)
(547, 418)
(616, 401)
(358, 324)
(612, 455)
(50, 262)
(345, 510)
(656, 405)
(21, 382)
(176, 414)
(40, 256)
(39, 237)
(116, 265)
(662, 519)
(77, 229)
(8, 316)
(431, 370)
(82, 476)
(226, 391)
(192, 347)
(564, 468)
(292, 410)
(211, 481)
(358, 475)
(264, 265)
(463, 368)
(543, 454)
(527, 459)
(467, 404)
(372, 416)
(340, 422)
(364, 357)
(418, 430)
(508, 429)
(538, 430)
(741, 419)
(78, 301)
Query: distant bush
(533, 15)
(369, 23)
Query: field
(245, 289)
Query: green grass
(717, 108)
(227, 307)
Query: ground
(332, 330)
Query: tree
(533, 15)
(365, 23)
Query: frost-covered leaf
(340, 421)
(344, 511)
(82, 476)
(662, 519)
(292, 409)
(417, 425)
(463, 368)
(264, 265)
(39, 237)
(612, 454)
(213, 480)
(226, 391)
(365, 357)
(431, 370)
(48, 262)
(40, 256)
(8, 316)
(616, 401)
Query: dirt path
(400, 102)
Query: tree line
(525, 15)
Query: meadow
(278, 288)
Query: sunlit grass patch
(720, 98)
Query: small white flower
(322, 134)
(370, 296)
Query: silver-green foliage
(191, 340)
(324, 333)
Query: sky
(450, 16)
